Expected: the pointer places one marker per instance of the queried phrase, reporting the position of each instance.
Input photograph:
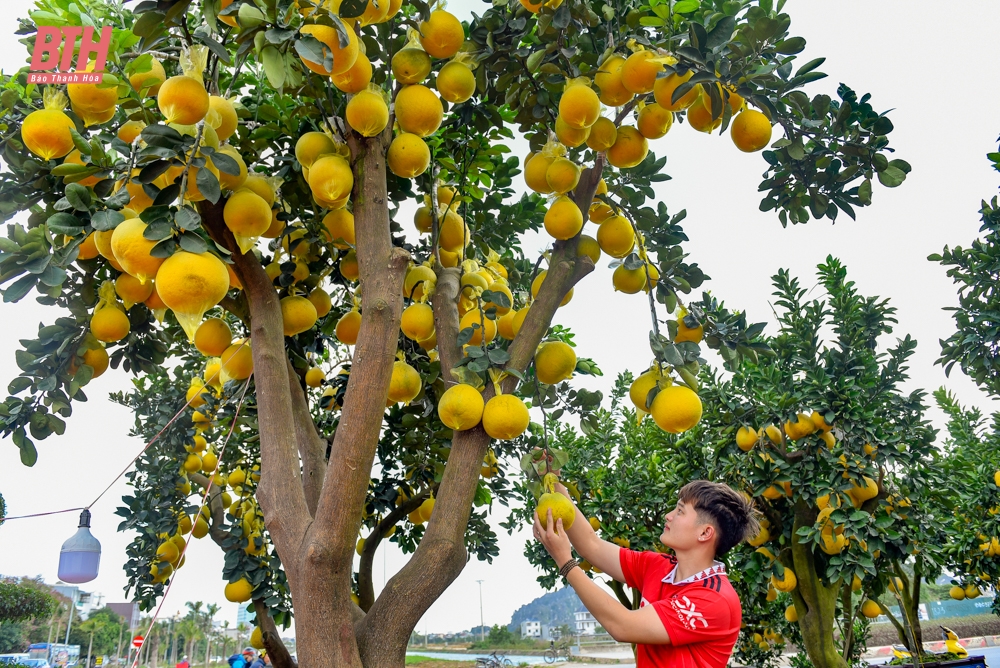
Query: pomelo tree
(823, 437)
(251, 161)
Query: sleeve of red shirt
(698, 615)
(634, 565)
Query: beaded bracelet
(568, 566)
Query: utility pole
(72, 607)
(482, 633)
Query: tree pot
(969, 661)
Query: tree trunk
(90, 646)
(815, 602)
(280, 658)
(154, 649)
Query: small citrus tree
(823, 439)
(250, 160)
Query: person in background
(262, 661)
(184, 663)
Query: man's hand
(553, 537)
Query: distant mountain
(554, 609)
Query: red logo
(137, 641)
(54, 49)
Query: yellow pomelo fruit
(394, 7)
(957, 593)
(151, 79)
(579, 106)
(355, 79)
(132, 290)
(751, 131)
(74, 158)
(639, 72)
(456, 82)
(535, 168)
(501, 287)
(630, 148)
(348, 327)
(195, 397)
(629, 281)
(479, 324)
(555, 362)
(536, 285)
(97, 359)
(310, 146)
(408, 156)
(418, 110)
(442, 35)
(664, 89)
(297, 315)
(338, 227)
(182, 99)
(129, 130)
(505, 417)
(343, 57)
(762, 537)
(131, 249)
(640, 388)
(239, 591)
(654, 121)
(247, 214)
(209, 462)
(46, 133)
(417, 322)
(423, 220)
(571, 137)
(616, 237)
(445, 195)
(746, 437)
(786, 583)
(367, 113)
(411, 66)
(229, 121)
(168, 551)
(349, 266)
(588, 246)
(685, 333)
(519, 318)
(562, 175)
(315, 377)
(257, 638)
(192, 463)
(416, 278)
(259, 185)
(91, 98)
(870, 609)
(375, 12)
(87, 250)
(321, 301)
(595, 523)
(699, 115)
(461, 407)
(603, 134)
(233, 182)
(405, 384)
(331, 180)
(561, 508)
(454, 234)
(676, 409)
(237, 360)
(563, 220)
(609, 81)
(505, 325)
(791, 614)
(425, 510)
(189, 284)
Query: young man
(690, 615)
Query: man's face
(683, 530)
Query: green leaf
(78, 196)
(208, 185)
(19, 288)
(187, 219)
(790, 46)
(865, 192)
(28, 453)
(686, 6)
(64, 223)
(102, 221)
(19, 384)
(350, 9)
(274, 66)
(193, 243)
(891, 176)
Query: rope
(208, 489)
(127, 467)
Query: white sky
(945, 123)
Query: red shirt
(702, 614)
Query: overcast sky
(945, 120)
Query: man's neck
(689, 564)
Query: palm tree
(225, 638)
(91, 626)
(209, 615)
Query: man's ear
(707, 532)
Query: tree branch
(280, 658)
(279, 492)
(366, 588)
(312, 448)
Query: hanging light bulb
(80, 556)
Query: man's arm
(632, 626)
(600, 553)
(624, 625)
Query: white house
(531, 629)
(586, 625)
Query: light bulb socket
(85, 518)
